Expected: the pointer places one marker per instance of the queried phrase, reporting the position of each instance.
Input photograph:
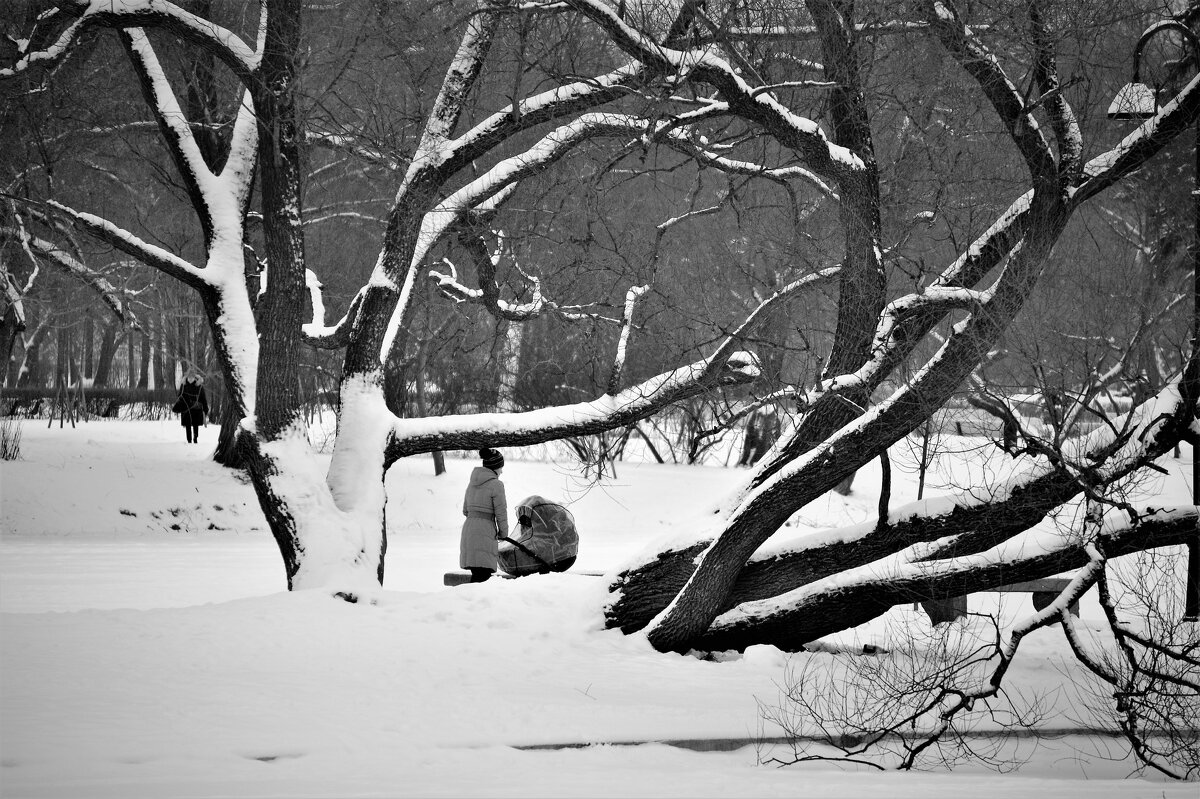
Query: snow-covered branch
(802, 33)
(488, 293)
(829, 161)
(854, 596)
(557, 144)
(163, 260)
(961, 524)
(1005, 98)
(618, 368)
(342, 142)
(471, 431)
(1143, 143)
(40, 248)
(233, 51)
(176, 132)
(756, 317)
(1062, 116)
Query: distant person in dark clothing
(192, 407)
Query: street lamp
(1136, 100)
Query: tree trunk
(131, 357)
(508, 366)
(62, 352)
(827, 612)
(184, 355)
(108, 352)
(439, 461)
(31, 372)
(10, 329)
(89, 346)
(144, 365)
(166, 353)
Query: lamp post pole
(1138, 101)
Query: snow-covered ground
(148, 649)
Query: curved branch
(1062, 117)
(156, 257)
(172, 124)
(965, 524)
(231, 49)
(978, 61)
(472, 431)
(828, 160)
(316, 333)
(851, 598)
(109, 294)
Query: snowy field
(148, 649)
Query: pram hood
(545, 528)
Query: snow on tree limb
(230, 48)
(488, 293)
(619, 358)
(163, 260)
(461, 75)
(558, 143)
(342, 142)
(1005, 98)
(965, 523)
(1140, 145)
(816, 609)
(798, 480)
(539, 109)
(1062, 116)
(471, 431)
(1003, 238)
(316, 333)
(176, 132)
(40, 248)
(826, 159)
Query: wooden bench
(1044, 592)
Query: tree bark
(89, 346)
(148, 348)
(131, 357)
(829, 611)
(108, 352)
(10, 329)
(62, 354)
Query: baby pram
(545, 540)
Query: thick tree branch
(979, 62)
(853, 597)
(964, 524)
(156, 257)
(472, 431)
(829, 161)
(230, 48)
(1062, 117)
(40, 248)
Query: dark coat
(486, 509)
(193, 396)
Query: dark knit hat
(492, 459)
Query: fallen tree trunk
(849, 599)
(962, 526)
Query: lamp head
(1134, 101)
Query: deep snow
(147, 648)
